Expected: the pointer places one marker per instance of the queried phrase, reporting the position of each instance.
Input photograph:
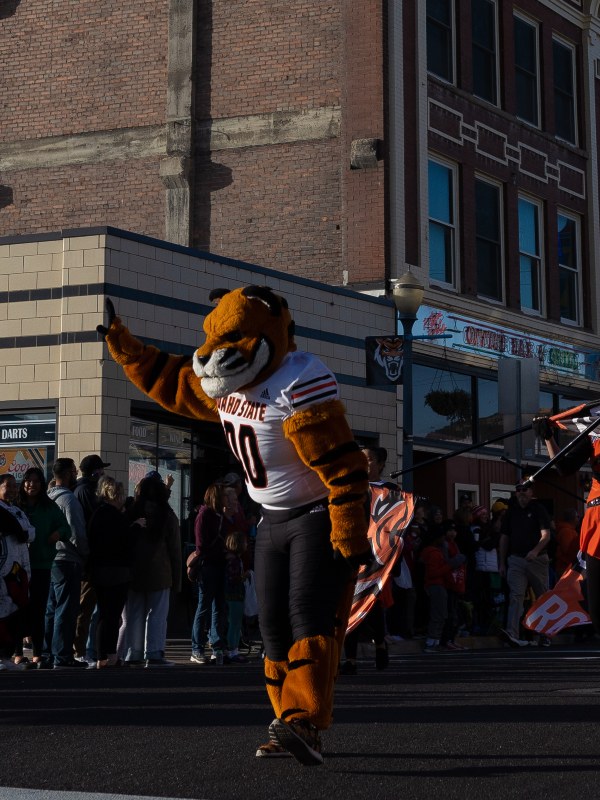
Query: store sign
(470, 335)
(143, 432)
(19, 432)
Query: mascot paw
(103, 330)
(357, 560)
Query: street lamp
(407, 295)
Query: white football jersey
(253, 423)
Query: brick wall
(279, 206)
(263, 56)
(290, 202)
(363, 118)
(299, 207)
(118, 193)
(85, 66)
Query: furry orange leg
(275, 672)
(308, 688)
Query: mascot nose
(203, 359)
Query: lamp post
(407, 295)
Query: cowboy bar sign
(480, 337)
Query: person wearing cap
(498, 508)
(92, 468)
(523, 560)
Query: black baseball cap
(90, 464)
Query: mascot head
(247, 336)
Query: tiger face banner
(391, 514)
(384, 360)
(561, 607)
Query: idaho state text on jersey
(238, 407)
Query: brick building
(339, 142)
(223, 125)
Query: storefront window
(489, 422)
(27, 440)
(443, 407)
(166, 448)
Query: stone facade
(52, 296)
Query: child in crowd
(439, 566)
(235, 546)
(455, 585)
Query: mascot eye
(234, 336)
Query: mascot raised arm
(284, 422)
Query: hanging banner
(384, 360)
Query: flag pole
(566, 449)
(547, 482)
(476, 446)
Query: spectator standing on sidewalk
(67, 569)
(112, 541)
(91, 468)
(235, 592)
(438, 568)
(51, 526)
(210, 530)
(15, 532)
(156, 570)
(524, 536)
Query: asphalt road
(483, 724)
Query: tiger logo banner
(384, 360)
(563, 606)
(391, 513)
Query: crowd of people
(471, 572)
(88, 572)
(87, 575)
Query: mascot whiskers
(284, 421)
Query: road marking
(10, 793)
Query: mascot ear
(266, 296)
(217, 294)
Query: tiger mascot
(284, 422)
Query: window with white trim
(527, 88)
(484, 49)
(442, 222)
(530, 255)
(440, 38)
(488, 239)
(569, 265)
(565, 93)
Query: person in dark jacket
(51, 526)
(111, 539)
(156, 570)
(91, 468)
(210, 530)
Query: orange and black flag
(578, 418)
(391, 513)
(563, 606)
